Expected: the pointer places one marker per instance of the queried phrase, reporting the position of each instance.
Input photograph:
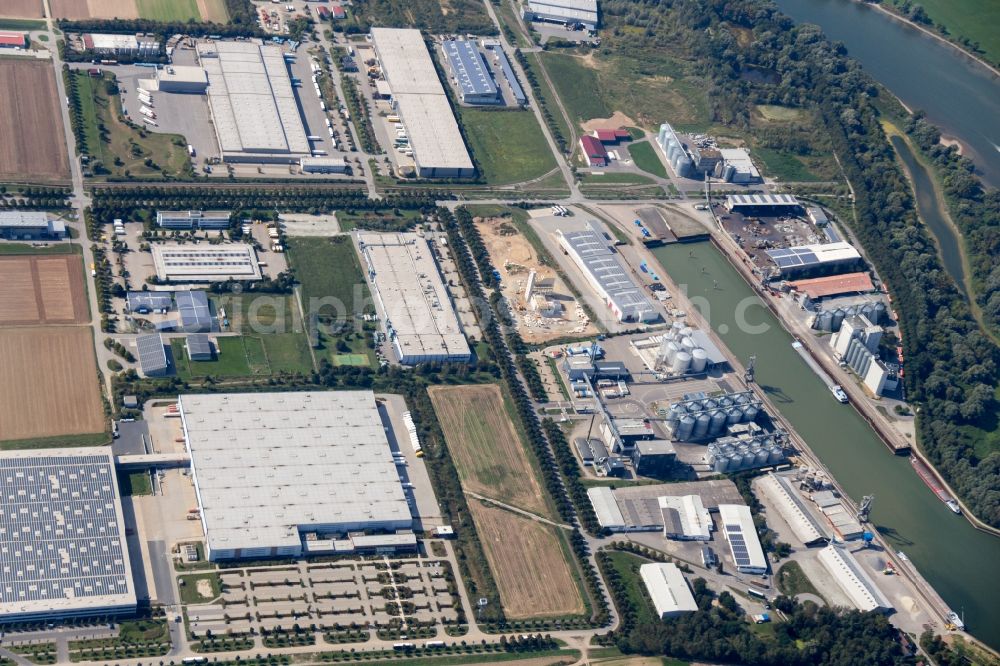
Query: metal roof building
(323, 165)
(563, 11)
(62, 536)
(438, 148)
(607, 277)
(411, 298)
(508, 73)
(12, 39)
(853, 579)
(254, 109)
(736, 166)
(205, 263)
(637, 508)
(193, 219)
(30, 225)
(199, 347)
(811, 259)
(606, 508)
(772, 203)
(744, 544)
(182, 79)
(685, 517)
(144, 302)
(195, 312)
(779, 490)
(152, 355)
(268, 467)
(471, 73)
(668, 589)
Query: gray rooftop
(152, 300)
(205, 263)
(193, 307)
(151, 353)
(604, 267)
(267, 465)
(62, 535)
(199, 344)
(470, 70)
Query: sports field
(49, 384)
(32, 143)
(528, 563)
(487, 451)
(41, 290)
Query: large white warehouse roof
(792, 508)
(269, 465)
(667, 588)
(853, 580)
(685, 517)
(744, 544)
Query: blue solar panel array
(793, 257)
(471, 71)
(739, 546)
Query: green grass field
(508, 145)
(136, 483)
(169, 10)
(612, 178)
(328, 270)
(247, 356)
(548, 95)
(784, 166)
(21, 24)
(188, 586)
(780, 114)
(974, 19)
(792, 580)
(647, 159)
(578, 87)
(627, 565)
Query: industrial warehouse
(667, 588)
(254, 111)
(568, 12)
(30, 225)
(411, 299)
(63, 536)
(269, 467)
(193, 219)
(471, 73)
(420, 100)
(214, 263)
(604, 272)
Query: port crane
(748, 374)
(865, 508)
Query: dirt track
(41, 290)
(528, 564)
(50, 383)
(487, 452)
(21, 8)
(33, 147)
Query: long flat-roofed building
(853, 579)
(667, 588)
(193, 219)
(792, 507)
(205, 263)
(30, 225)
(438, 148)
(270, 467)
(638, 508)
(764, 204)
(744, 544)
(568, 12)
(809, 260)
(604, 272)
(254, 110)
(686, 518)
(413, 303)
(62, 536)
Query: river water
(958, 95)
(961, 563)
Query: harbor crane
(748, 374)
(865, 508)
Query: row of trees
(540, 99)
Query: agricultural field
(119, 147)
(156, 10)
(33, 147)
(42, 290)
(976, 20)
(488, 452)
(50, 385)
(529, 564)
(22, 8)
(508, 146)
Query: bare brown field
(69, 9)
(50, 383)
(125, 9)
(486, 449)
(21, 8)
(33, 146)
(213, 10)
(41, 290)
(528, 563)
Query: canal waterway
(959, 95)
(930, 209)
(961, 563)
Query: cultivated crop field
(49, 385)
(21, 8)
(84, 9)
(156, 10)
(33, 146)
(487, 451)
(528, 564)
(41, 290)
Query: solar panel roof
(470, 69)
(152, 355)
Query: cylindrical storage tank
(748, 458)
(677, 410)
(699, 360)
(701, 425)
(677, 327)
(878, 312)
(687, 331)
(687, 344)
(719, 418)
(723, 400)
(760, 457)
(734, 415)
(741, 398)
(709, 403)
(671, 351)
(681, 363)
(775, 455)
(838, 319)
(867, 310)
(720, 464)
(685, 428)
(824, 321)
(749, 412)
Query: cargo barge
(925, 473)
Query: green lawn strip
(231, 359)
(37, 653)
(508, 146)
(136, 638)
(168, 11)
(647, 159)
(549, 96)
(135, 483)
(558, 657)
(614, 178)
(286, 352)
(21, 24)
(627, 565)
(188, 586)
(91, 439)
(27, 248)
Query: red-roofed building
(13, 40)
(611, 135)
(834, 285)
(339, 12)
(593, 151)
(323, 13)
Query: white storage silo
(699, 360)
(681, 364)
